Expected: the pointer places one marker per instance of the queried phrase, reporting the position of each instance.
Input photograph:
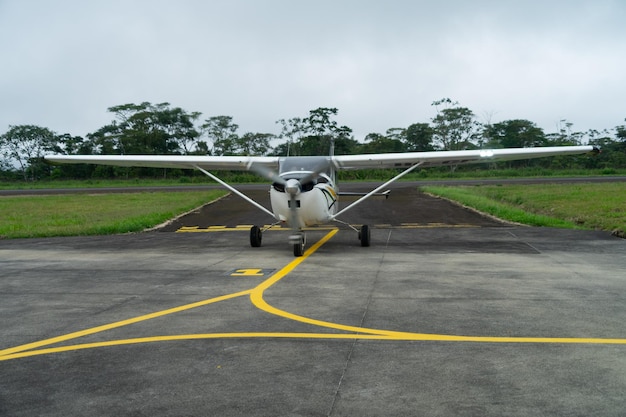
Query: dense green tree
(292, 130)
(516, 133)
(566, 136)
(224, 139)
(418, 137)
(320, 123)
(314, 134)
(152, 129)
(454, 127)
(24, 145)
(613, 154)
(620, 132)
(146, 129)
(180, 128)
(75, 145)
(282, 149)
(377, 143)
(222, 134)
(254, 143)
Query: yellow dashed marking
(240, 227)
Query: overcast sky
(381, 63)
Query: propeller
(292, 186)
(265, 172)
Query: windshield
(305, 164)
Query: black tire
(255, 236)
(364, 235)
(298, 249)
(298, 246)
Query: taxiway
(447, 313)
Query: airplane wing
(230, 163)
(344, 162)
(439, 158)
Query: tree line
(148, 128)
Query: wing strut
(234, 190)
(375, 190)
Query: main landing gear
(364, 235)
(255, 236)
(298, 240)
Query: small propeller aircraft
(304, 192)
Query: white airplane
(304, 191)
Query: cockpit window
(305, 164)
(301, 167)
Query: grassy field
(598, 206)
(93, 214)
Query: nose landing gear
(299, 241)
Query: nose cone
(292, 187)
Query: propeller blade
(316, 171)
(266, 172)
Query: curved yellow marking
(337, 336)
(256, 297)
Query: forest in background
(162, 129)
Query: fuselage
(306, 194)
(315, 202)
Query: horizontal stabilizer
(348, 194)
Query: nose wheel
(299, 241)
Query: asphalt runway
(447, 313)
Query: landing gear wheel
(298, 244)
(255, 236)
(364, 235)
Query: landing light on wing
(486, 154)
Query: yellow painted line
(256, 297)
(328, 336)
(117, 324)
(258, 290)
(10, 352)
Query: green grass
(96, 214)
(598, 206)
(103, 183)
